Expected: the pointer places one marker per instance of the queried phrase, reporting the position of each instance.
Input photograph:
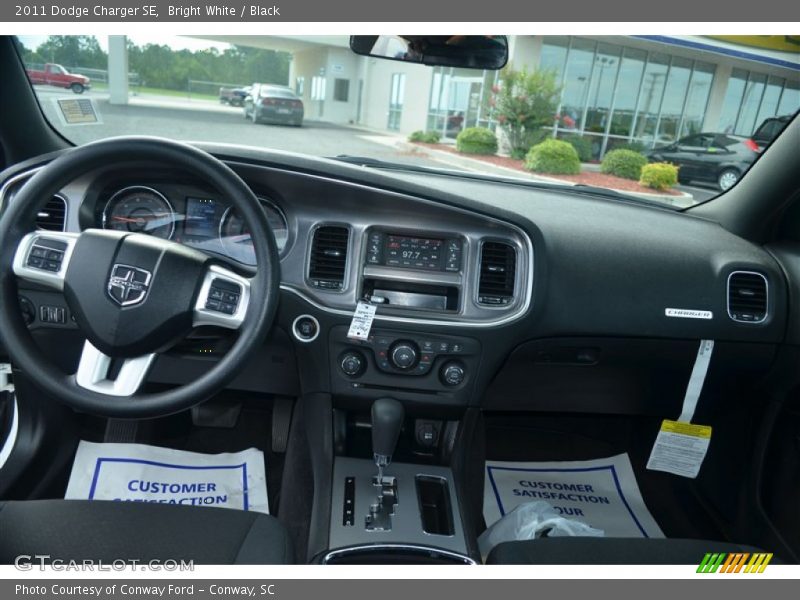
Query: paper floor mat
(602, 493)
(140, 473)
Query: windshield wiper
(580, 188)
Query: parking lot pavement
(700, 192)
(195, 121)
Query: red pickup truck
(58, 76)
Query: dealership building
(614, 89)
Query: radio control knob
(404, 355)
(453, 373)
(352, 363)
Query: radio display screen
(414, 252)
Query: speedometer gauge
(140, 210)
(236, 239)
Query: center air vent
(52, 216)
(498, 270)
(328, 257)
(747, 297)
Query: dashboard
(460, 271)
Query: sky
(173, 41)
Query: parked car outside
(769, 129)
(233, 96)
(719, 158)
(273, 104)
(58, 76)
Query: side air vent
(52, 215)
(498, 270)
(747, 297)
(328, 257)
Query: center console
(386, 512)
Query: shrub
(582, 145)
(623, 163)
(659, 176)
(427, 137)
(522, 103)
(477, 140)
(553, 156)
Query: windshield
(674, 119)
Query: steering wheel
(133, 295)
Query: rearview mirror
(465, 51)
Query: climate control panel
(402, 359)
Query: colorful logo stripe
(737, 562)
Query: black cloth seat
(608, 551)
(106, 531)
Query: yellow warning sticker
(680, 448)
(703, 431)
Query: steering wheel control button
(223, 296)
(47, 255)
(453, 374)
(352, 363)
(305, 328)
(404, 355)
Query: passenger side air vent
(747, 297)
(52, 216)
(328, 257)
(498, 270)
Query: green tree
(73, 51)
(523, 103)
(160, 66)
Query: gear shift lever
(387, 419)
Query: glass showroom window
(770, 99)
(438, 101)
(753, 97)
(575, 90)
(790, 98)
(484, 119)
(615, 95)
(601, 94)
(694, 110)
(554, 54)
(675, 94)
(751, 100)
(396, 97)
(459, 98)
(732, 101)
(629, 82)
(652, 92)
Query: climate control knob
(352, 363)
(404, 355)
(453, 373)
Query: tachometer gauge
(140, 210)
(235, 236)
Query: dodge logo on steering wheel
(128, 285)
